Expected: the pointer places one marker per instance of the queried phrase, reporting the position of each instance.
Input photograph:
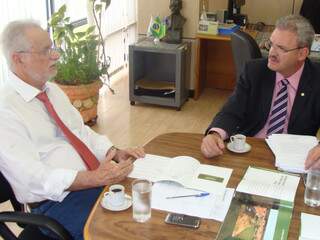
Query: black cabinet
(159, 73)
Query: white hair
(14, 39)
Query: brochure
(184, 170)
(262, 206)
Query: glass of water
(312, 191)
(141, 200)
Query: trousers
(72, 212)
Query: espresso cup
(238, 141)
(116, 195)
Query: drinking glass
(312, 191)
(141, 200)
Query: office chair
(29, 221)
(244, 48)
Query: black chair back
(244, 48)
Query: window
(76, 10)
(19, 9)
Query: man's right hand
(110, 172)
(212, 145)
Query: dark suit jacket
(247, 110)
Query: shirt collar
(25, 90)
(294, 79)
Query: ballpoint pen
(191, 195)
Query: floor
(128, 125)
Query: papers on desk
(185, 170)
(262, 206)
(211, 207)
(291, 150)
(269, 183)
(310, 227)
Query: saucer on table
(246, 148)
(105, 203)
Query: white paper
(211, 207)
(270, 184)
(291, 150)
(310, 226)
(183, 169)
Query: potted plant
(83, 65)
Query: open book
(262, 206)
(185, 170)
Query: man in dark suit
(275, 95)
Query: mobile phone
(182, 220)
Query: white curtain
(19, 9)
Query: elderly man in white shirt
(42, 166)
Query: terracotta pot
(85, 98)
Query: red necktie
(85, 153)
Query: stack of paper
(309, 227)
(291, 151)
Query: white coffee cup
(115, 196)
(238, 142)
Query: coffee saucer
(105, 203)
(246, 148)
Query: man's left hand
(125, 154)
(313, 158)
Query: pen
(192, 195)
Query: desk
(103, 224)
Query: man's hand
(212, 145)
(108, 172)
(313, 158)
(129, 153)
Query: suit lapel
(303, 92)
(268, 83)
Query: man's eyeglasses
(46, 52)
(280, 49)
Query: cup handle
(232, 139)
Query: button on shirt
(35, 156)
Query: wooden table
(103, 224)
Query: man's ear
(303, 53)
(17, 58)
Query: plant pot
(85, 98)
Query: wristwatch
(214, 132)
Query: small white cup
(238, 141)
(115, 196)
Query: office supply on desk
(262, 206)
(309, 229)
(183, 220)
(183, 169)
(107, 225)
(211, 206)
(291, 150)
(190, 195)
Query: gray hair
(299, 25)
(14, 39)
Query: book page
(182, 169)
(270, 184)
(151, 167)
(211, 178)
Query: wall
(261, 10)
(148, 8)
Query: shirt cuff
(221, 132)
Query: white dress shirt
(35, 156)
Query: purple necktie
(278, 113)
